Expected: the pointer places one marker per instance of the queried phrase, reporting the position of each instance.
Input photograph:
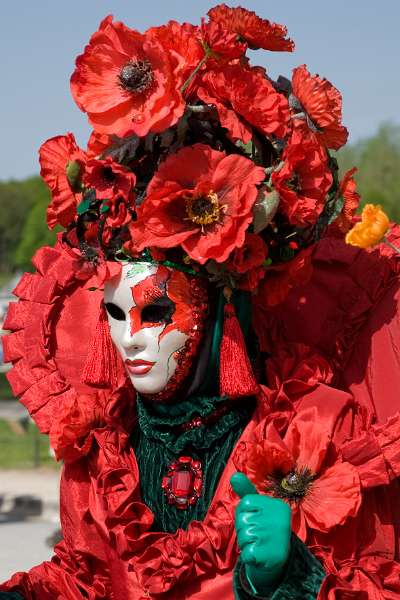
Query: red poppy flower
(322, 103)
(97, 143)
(223, 43)
(257, 32)
(200, 199)
(125, 81)
(251, 254)
(244, 97)
(182, 40)
(348, 190)
(305, 469)
(304, 180)
(109, 179)
(247, 261)
(62, 163)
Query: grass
(20, 445)
(4, 278)
(5, 390)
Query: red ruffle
(159, 560)
(51, 327)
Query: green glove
(263, 529)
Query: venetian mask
(156, 316)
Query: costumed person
(215, 367)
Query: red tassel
(236, 377)
(101, 363)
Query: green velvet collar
(161, 421)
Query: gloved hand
(263, 529)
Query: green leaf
(84, 206)
(104, 208)
(247, 148)
(336, 210)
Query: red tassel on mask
(101, 363)
(236, 377)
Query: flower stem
(194, 73)
(386, 241)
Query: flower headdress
(197, 158)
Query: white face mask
(150, 313)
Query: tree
(16, 201)
(378, 161)
(35, 233)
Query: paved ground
(23, 546)
(23, 537)
(43, 483)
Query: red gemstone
(182, 484)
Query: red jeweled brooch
(183, 482)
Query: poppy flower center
(108, 175)
(294, 183)
(293, 486)
(136, 76)
(203, 210)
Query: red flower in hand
(305, 470)
(125, 81)
(109, 179)
(200, 199)
(62, 163)
(304, 180)
(245, 97)
(257, 32)
(322, 103)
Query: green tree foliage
(35, 233)
(16, 200)
(378, 162)
(22, 225)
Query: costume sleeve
(79, 568)
(302, 579)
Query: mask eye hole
(115, 311)
(159, 311)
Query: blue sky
(353, 43)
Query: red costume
(224, 176)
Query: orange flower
(371, 229)
(322, 104)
